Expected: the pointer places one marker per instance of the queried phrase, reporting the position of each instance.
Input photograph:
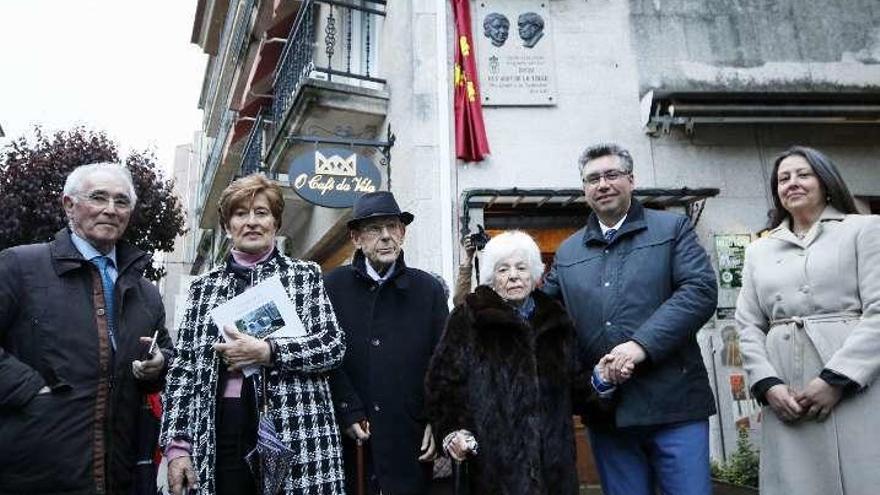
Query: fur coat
(509, 382)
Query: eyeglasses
(100, 199)
(609, 176)
(376, 229)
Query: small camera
(479, 238)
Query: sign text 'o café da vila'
(333, 177)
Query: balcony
(327, 80)
(224, 67)
(252, 153)
(208, 192)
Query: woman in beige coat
(809, 325)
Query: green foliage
(742, 467)
(32, 175)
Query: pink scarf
(250, 260)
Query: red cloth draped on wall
(471, 144)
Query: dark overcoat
(652, 284)
(82, 437)
(509, 382)
(391, 329)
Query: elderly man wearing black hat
(392, 316)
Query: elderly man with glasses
(639, 286)
(77, 322)
(392, 315)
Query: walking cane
(459, 479)
(361, 489)
(361, 475)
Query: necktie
(609, 235)
(103, 263)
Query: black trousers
(235, 438)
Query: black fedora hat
(377, 204)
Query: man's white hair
(506, 244)
(73, 184)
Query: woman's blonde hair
(242, 192)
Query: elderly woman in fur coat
(499, 384)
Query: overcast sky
(123, 66)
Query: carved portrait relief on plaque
(515, 55)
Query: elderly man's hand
(359, 430)
(151, 368)
(625, 357)
(241, 350)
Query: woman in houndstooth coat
(211, 409)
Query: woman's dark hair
(836, 192)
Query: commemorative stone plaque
(515, 52)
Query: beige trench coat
(806, 305)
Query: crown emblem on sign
(335, 164)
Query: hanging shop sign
(333, 177)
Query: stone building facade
(703, 92)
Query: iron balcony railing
(331, 40)
(234, 41)
(218, 149)
(252, 154)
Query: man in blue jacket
(639, 286)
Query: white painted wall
(597, 101)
